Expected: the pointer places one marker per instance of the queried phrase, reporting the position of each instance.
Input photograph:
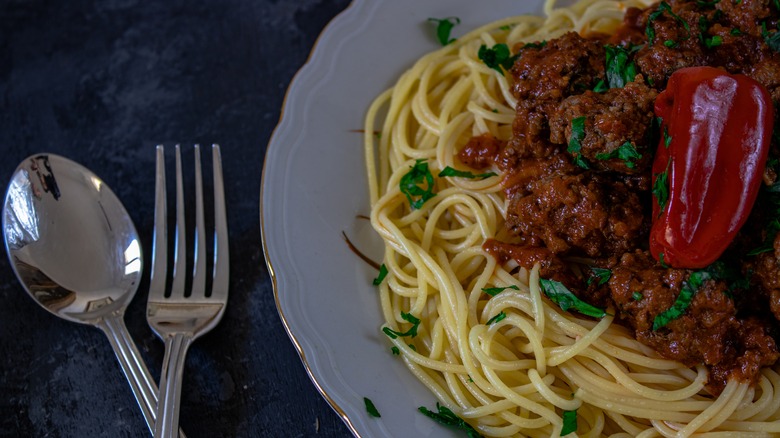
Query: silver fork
(179, 319)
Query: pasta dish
(580, 214)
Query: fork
(177, 318)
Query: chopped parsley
(713, 41)
(408, 317)
(735, 31)
(448, 418)
(569, 422)
(683, 301)
(707, 4)
(637, 296)
(381, 276)
(626, 152)
(497, 57)
(575, 141)
(370, 408)
(499, 317)
(538, 45)
(602, 276)
(396, 351)
(493, 291)
(449, 171)
(444, 28)
(565, 299)
(413, 180)
(667, 137)
(772, 39)
(661, 187)
(620, 70)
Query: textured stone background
(103, 82)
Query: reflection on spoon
(76, 251)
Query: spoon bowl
(75, 250)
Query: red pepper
(710, 160)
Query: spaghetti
(488, 344)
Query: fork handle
(176, 346)
(134, 368)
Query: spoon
(76, 251)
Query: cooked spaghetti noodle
(513, 364)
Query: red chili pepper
(716, 133)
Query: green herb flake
(707, 4)
(735, 31)
(569, 422)
(575, 141)
(493, 291)
(620, 70)
(600, 87)
(444, 28)
(661, 261)
(538, 45)
(370, 408)
(382, 274)
(413, 180)
(395, 350)
(713, 41)
(497, 57)
(683, 301)
(626, 152)
(449, 171)
(667, 137)
(661, 187)
(565, 299)
(412, 332)
(637, 296)
(601, 276)
(772, 39)
(499, 317)
(447, 418)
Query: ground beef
(542, 77)
(581, 214)
(558, 208)
(612, 119)
(709, 331)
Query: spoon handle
(138, 375)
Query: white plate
(314, 188)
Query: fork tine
(160, 237)
(219, 288)
(199, 262)
(180, 251)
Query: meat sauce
(559, 209)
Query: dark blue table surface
(103, 82)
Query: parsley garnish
(772, 40)
(449, 171)
(499, 317)
(538, 45)
(661, 261)
(637, 296)
(396, 351)
(446, 417)
(713, 41)
(370, 408)
(667, 137)
(735, 31)
(410, 184)
(707, 4)
(565, 299)
(381, 276)
(601, 274)
(493, 291)
(688, 290)
(575, 141)
(620, 70)
(661, 187)
(393, 334)
(497, 57)
(444, 28)
(625, 152)
(569, 422)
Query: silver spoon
(76, 251)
